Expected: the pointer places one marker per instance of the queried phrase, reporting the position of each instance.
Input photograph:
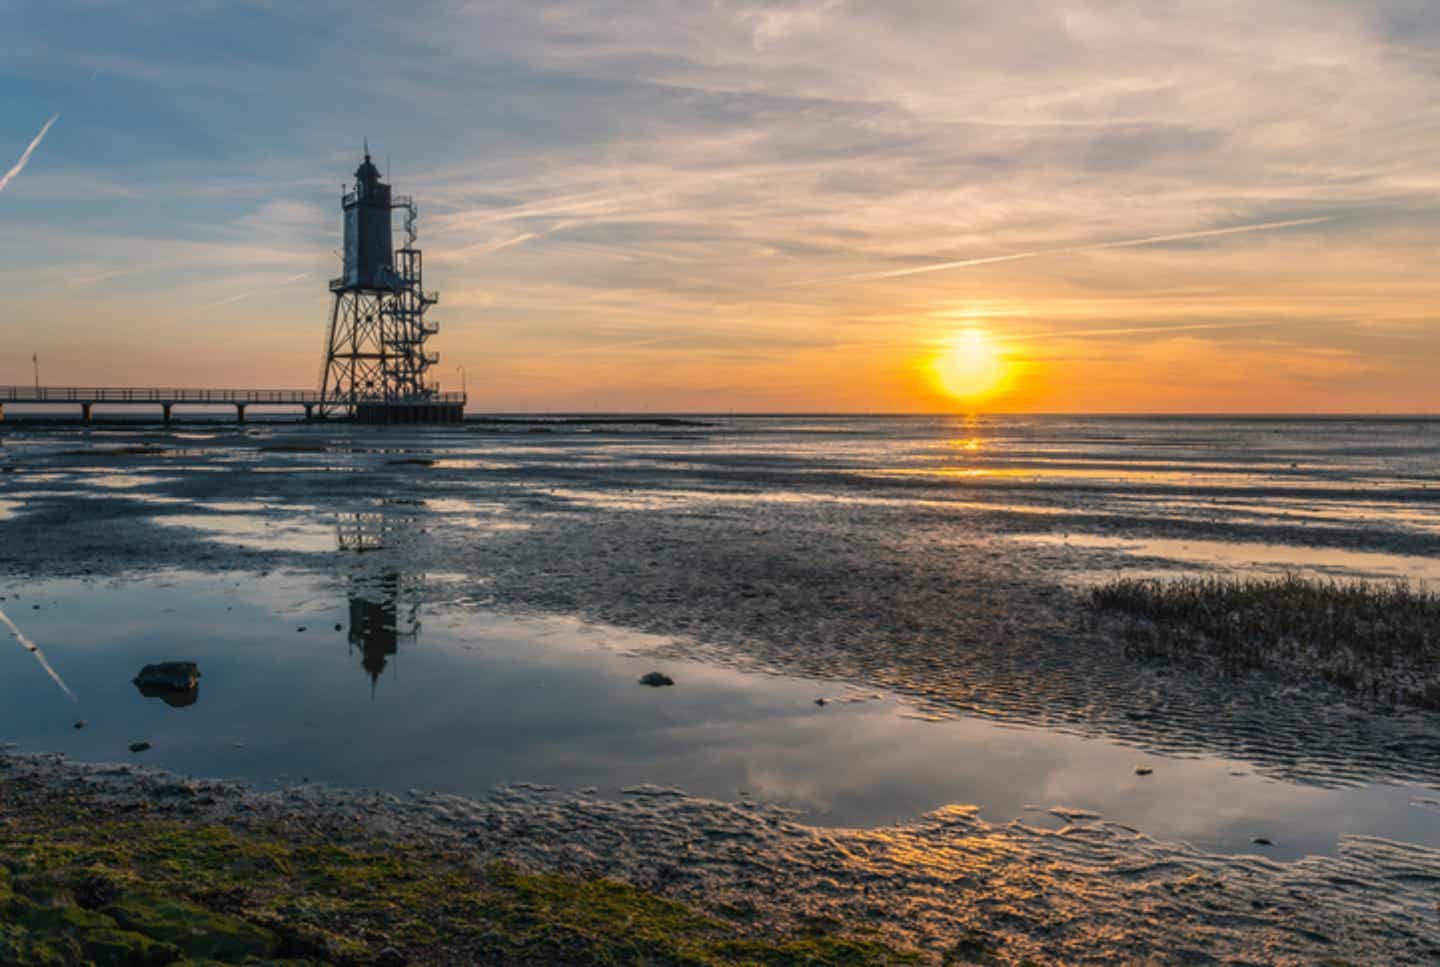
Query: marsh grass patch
(1376, 639)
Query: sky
(716, 206)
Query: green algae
(78, 885)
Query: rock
(176, 683)
(139, 746)
(820, 702)
(301, 628)
(170, 696)
(80, 724)
(179, 676)
(656, 679)
(1261, 841)
(339, 627)
(1143, 770)
(389, 955)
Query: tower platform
(438, 410)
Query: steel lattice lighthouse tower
(376, 363)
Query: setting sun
(970, 365)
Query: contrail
(25, 157)
(1137, 330)
(1127, 243)
(489, 248)
(245, 295)
(34, 649)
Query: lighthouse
(376, 364)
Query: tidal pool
(381, 691)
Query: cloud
(19, 166)
(259, 286)
(1072, 249)
(1136, 330)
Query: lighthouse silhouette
(376, 364)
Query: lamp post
(461, 371)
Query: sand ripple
(1090, 892)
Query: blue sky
(707, 205)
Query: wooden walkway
(167, 398)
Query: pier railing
(127, 394)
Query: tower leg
(309, 412)
(239, 412)
(165, 408)
(2, 412)
(330, 377)
(85, 411)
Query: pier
(441, 407)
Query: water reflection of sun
(970, 366)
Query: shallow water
(1253, 556)
(496, 607)
(379, 691)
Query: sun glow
(970, 366)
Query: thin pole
(462, 380)
(35, 358)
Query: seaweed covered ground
(84, 882)
(535, 876)
(1380, 640)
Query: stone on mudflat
(656, 679)
(180, 676)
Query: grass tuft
(1380, 640)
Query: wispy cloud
(19, 166)
(239, 296)
(1069, 250)
(489, 248)
(1135, 330)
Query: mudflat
(894, 703)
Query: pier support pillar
(309, 412)
(239, 412)
(2, 412)
(85, 412)
(165, 409)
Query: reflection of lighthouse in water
(384, 608)
(379, 620)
